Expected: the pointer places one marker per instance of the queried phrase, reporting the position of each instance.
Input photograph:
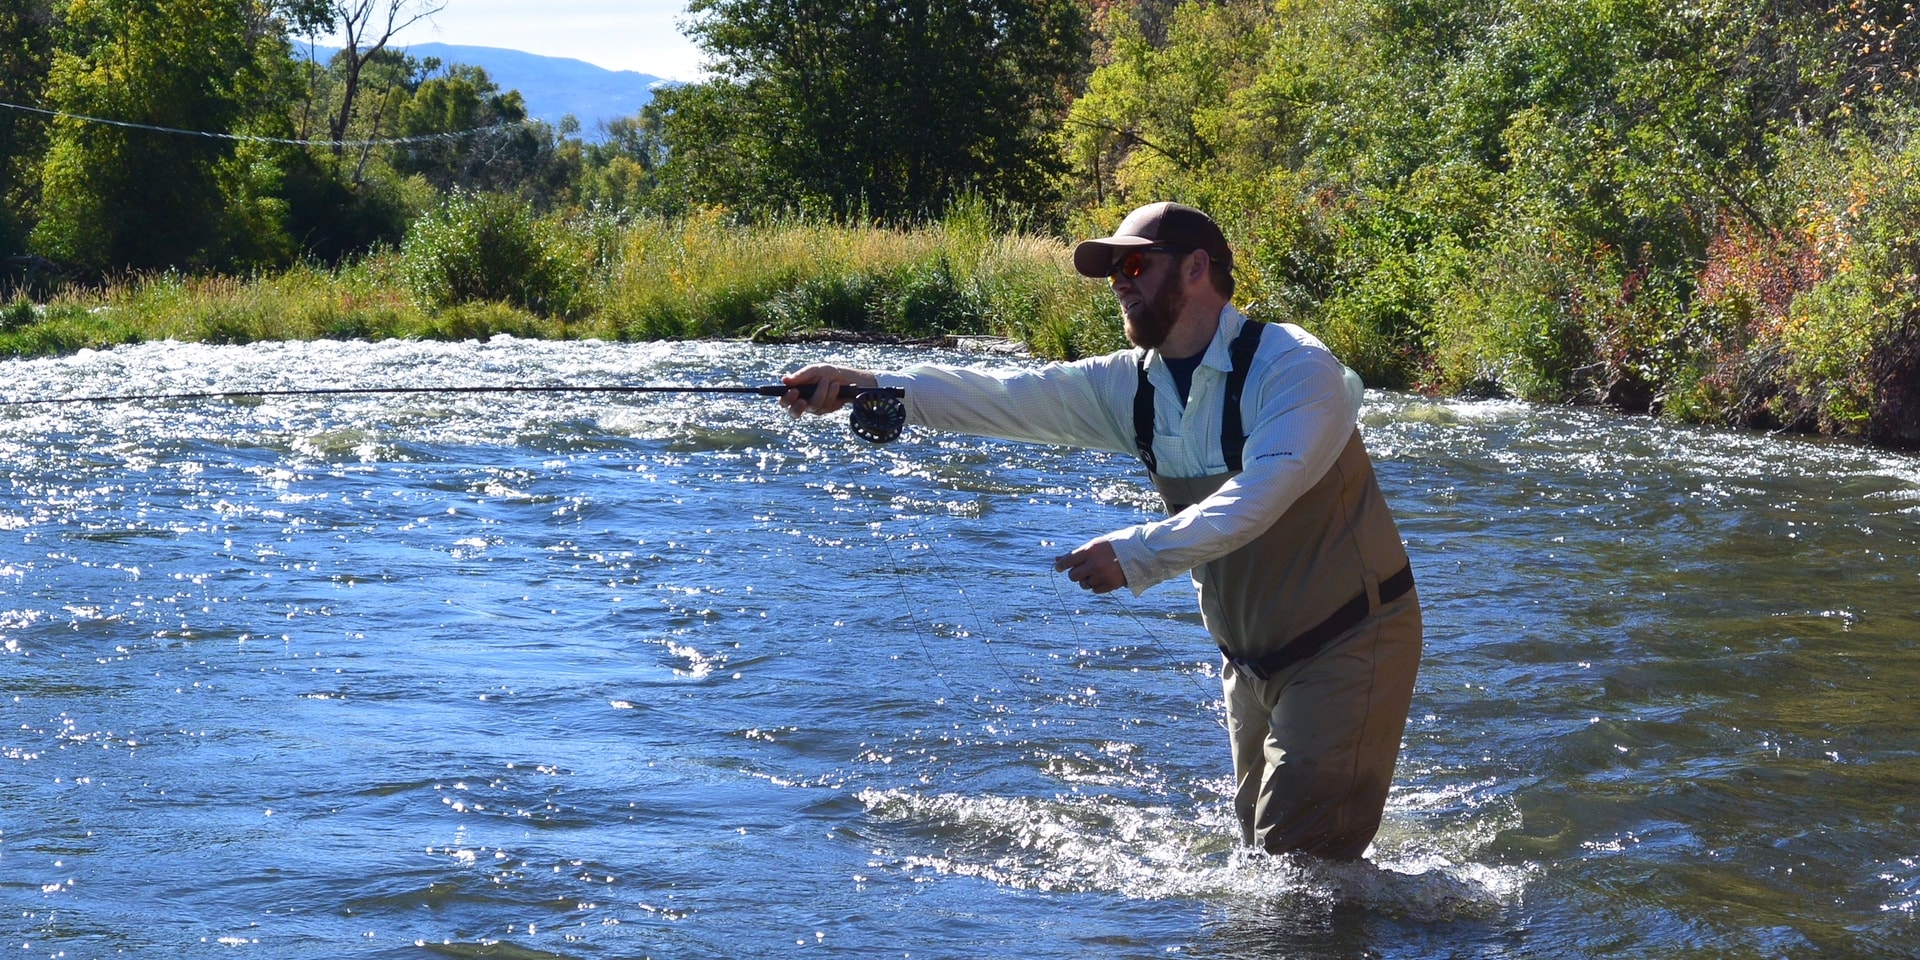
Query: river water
(669, 676)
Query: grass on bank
(1770, 333)
(482, 265)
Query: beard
(1157, 316)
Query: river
(549, 675)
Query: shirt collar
(1219, 352)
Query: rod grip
(847, 392)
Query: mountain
(552, 86)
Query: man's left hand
(1094, 567)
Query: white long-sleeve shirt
(1299, 408)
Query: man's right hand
(1094, 566)
(816, 387)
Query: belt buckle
(1247, 666)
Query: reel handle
(877, 414)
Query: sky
(638, 35)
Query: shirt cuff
(1136, 561)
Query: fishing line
(946, 573)
(1145, 630)
(1073, 624)
(943, 573)
(984, 624)
(926, 651)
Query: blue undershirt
(1182, 370)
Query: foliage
(489, 248)
(365, 27)
(1558, 199)
(700, 276)
(632, 277)
(879, 108)
(346, 202)
(18, 314)
(331, 218)
(472, 136)
(116, 197)
(1846, 340)
(26, 53)
(622, 170)
(1160, 119)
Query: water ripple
(625, 675)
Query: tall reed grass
(617, 278)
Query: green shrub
(17, 315)
(1501, 338)
(482, 321)
(834, 301)
(489, 248)
(70, 327)
(931, 299)
(1845, 344)
(1063, 325)
(1831, 330)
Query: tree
(340, 203)
(621, 171)
(483, 140)
(891, 108)
(26, 52)
(1161, 114)
(366, 27)
(118, 197)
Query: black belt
(1316, 637)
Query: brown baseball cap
(1165, 222)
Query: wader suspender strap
(1143, 418)
(1233, 439)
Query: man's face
(1152, 299)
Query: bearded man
(1249, 432)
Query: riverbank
(483, 266)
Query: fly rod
(876, 414)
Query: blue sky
(638, 35)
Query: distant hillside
(552, 86)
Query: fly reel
(878, 414)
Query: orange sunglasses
(1134, 263)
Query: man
(1248, 430)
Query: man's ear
(1198, 265)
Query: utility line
(245, 138)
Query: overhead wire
(250, 138)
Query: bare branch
(358, 19)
